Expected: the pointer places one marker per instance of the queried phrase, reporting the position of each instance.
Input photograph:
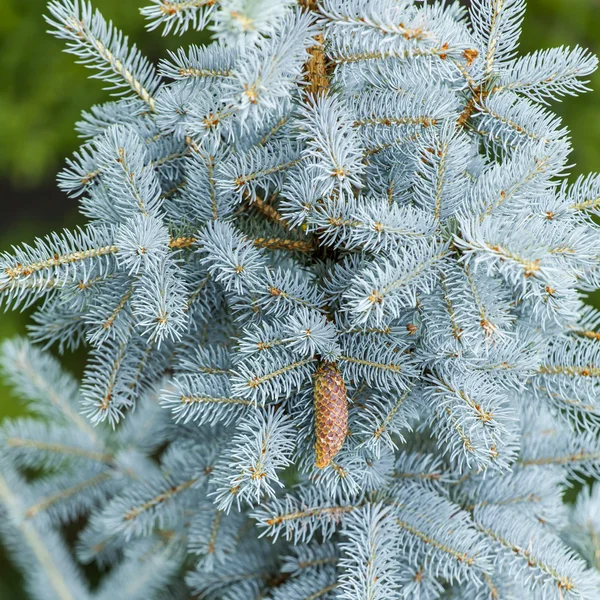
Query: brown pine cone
(331, 412)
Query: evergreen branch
(498, 25)
(549, 74)
(177, 243)
(394, 368)
(20, 270)
(343, 57)
(101, 402)
(584, 194)
(50, 557)
(178, 16)
(580, 457)
(269, 211)
(284, 244)
(161, 499)
(261, 447)
(39, 378)
(461, 557)
(344, 227)
(315, 68)
(588, 204)
(75, 258)
(323, 591)
(209, 399)
(440, 531)
(197, 398)
(263, 380)
(284, 517)
(152, 503)
(382, 426)
(368, 556)
(586, 333)
(309, 557)
(541, 557)
(376, 20)
(199, 62)
(388, 121)
(569, 370)
(100, 46)
(52, 499)
(59, 449)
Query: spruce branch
(333, 293)
(100, 46)
(177, 16)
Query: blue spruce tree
(333, 289)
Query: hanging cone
(331, 412)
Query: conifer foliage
(333, 287)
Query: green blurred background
(42, 93)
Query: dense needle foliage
(333, 288)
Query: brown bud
(331, 412)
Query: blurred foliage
(550, 23)
(42, 89)
(42, 93)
